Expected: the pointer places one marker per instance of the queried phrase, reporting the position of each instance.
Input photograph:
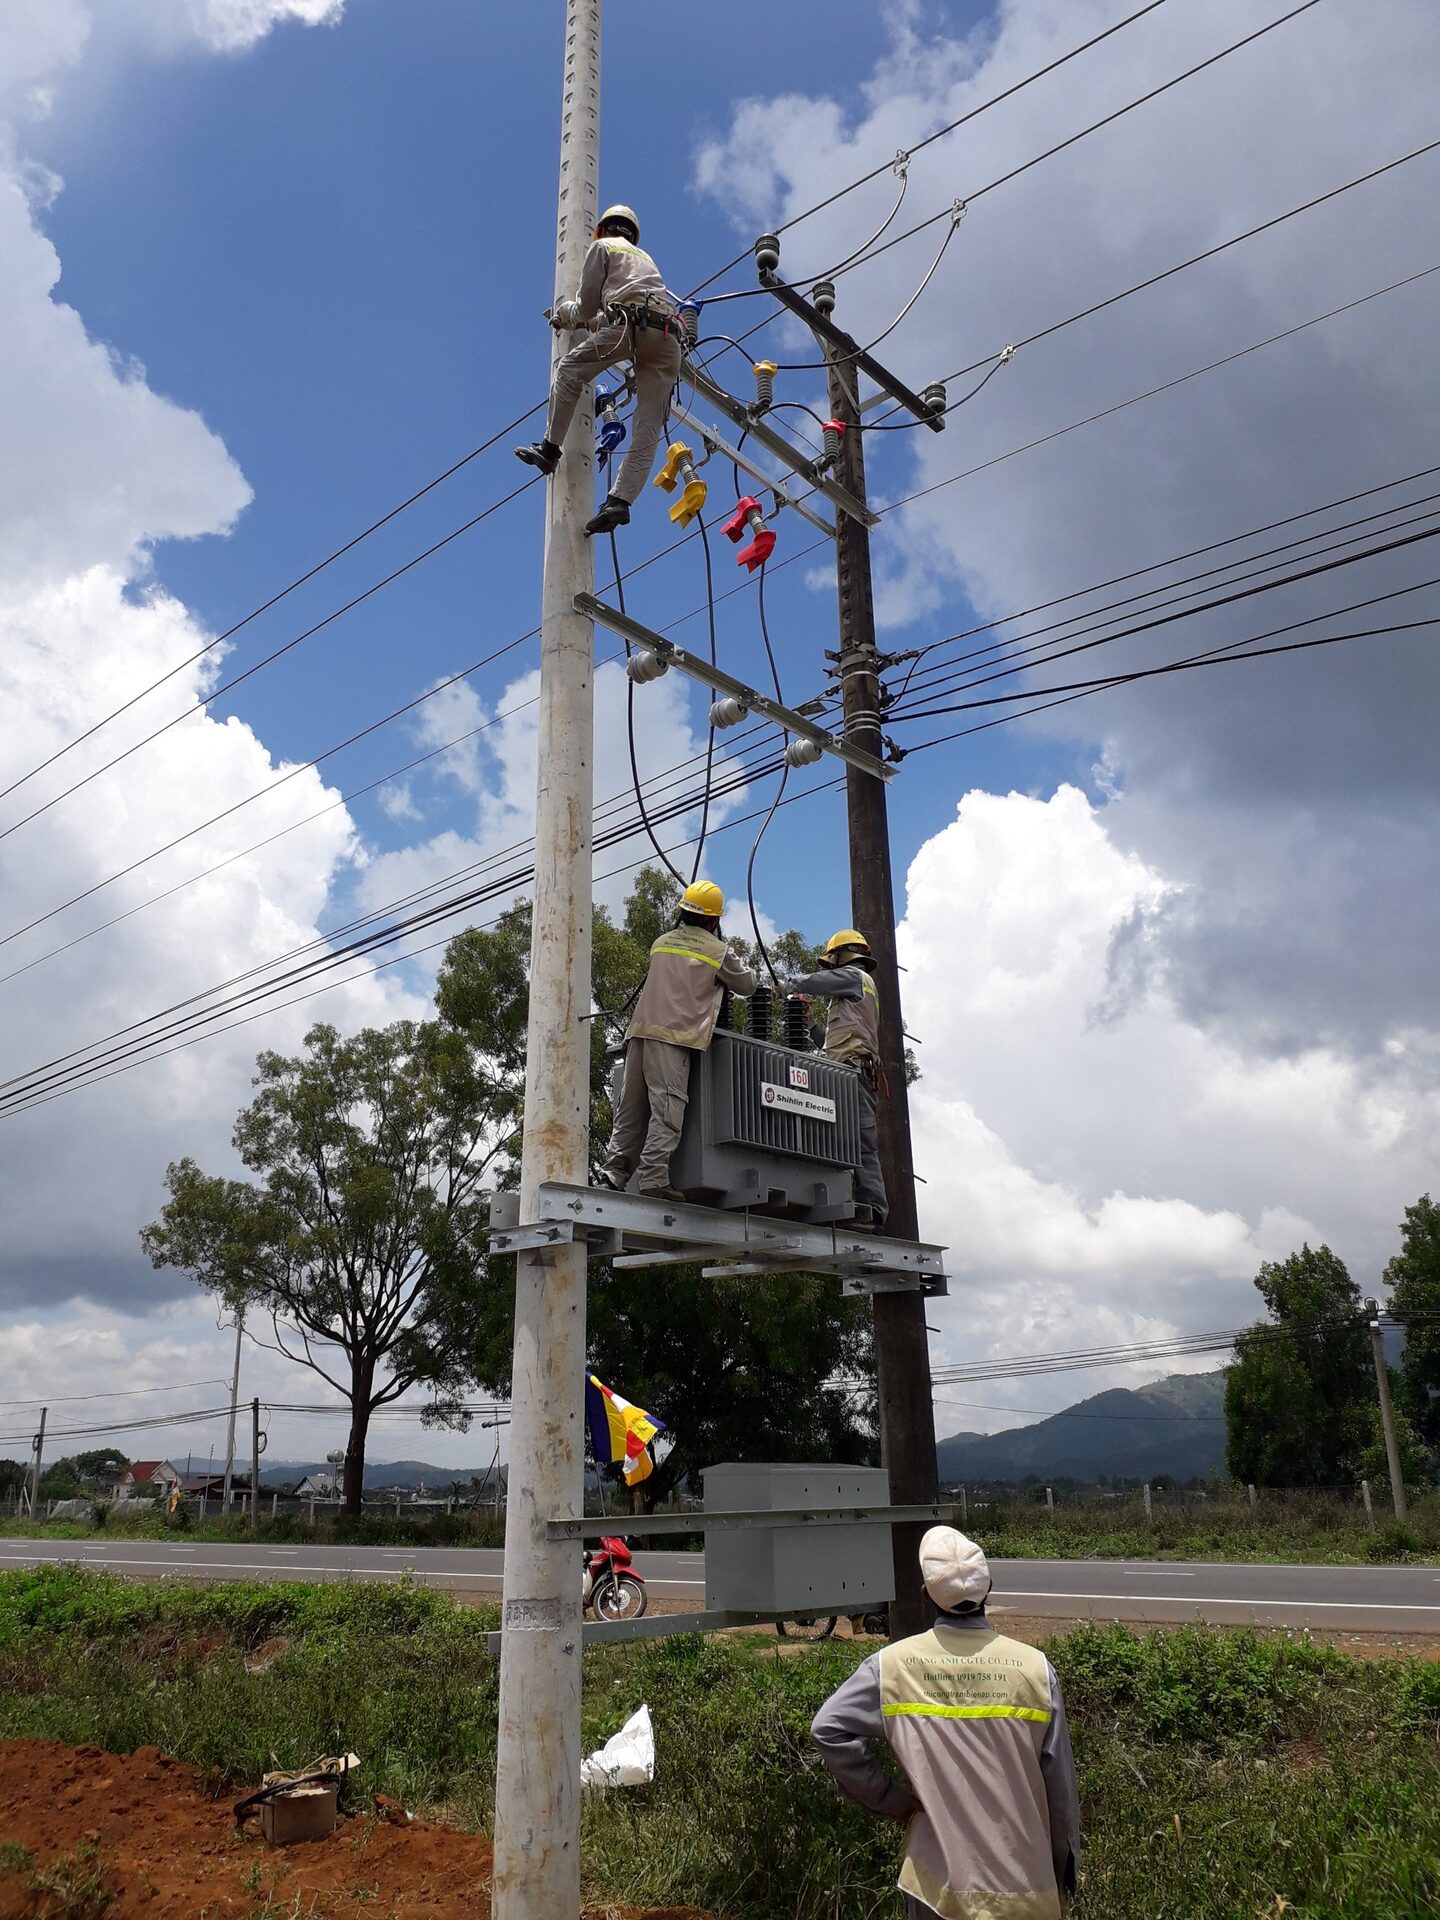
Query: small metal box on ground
(801, 1569)
(770, 1128)
(304, 1813)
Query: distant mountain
(378, 1473)
(1175, 1426)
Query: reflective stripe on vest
(685, 953)
(966, 1713)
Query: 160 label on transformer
(813, 1106)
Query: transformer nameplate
(814, 1106)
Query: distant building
(318, 1486)
(144, 1473)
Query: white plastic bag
(627, 1758)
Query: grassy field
(1303, 1528)
(1223, 1774)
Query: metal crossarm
(854, 354)
(776, 443)
(652, 1525)
(697, 669)
(742, 459)
(639, 1232)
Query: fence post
(274, 1504)
(1146, 1491)
(312, 1510)
(964, 1513)
(202, 1506)
(397, 1506)
(1250, 1496)
(1365, 1496)
(1049, 1499)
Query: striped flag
(619, 1433)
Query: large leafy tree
(361, 1237)
(738, 1369)
(1299, 1398)
(1413, 1278)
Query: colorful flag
(619, 1433)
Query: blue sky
(336, 249)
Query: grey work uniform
(977, 1723)
(673, 1020)
(852, 1034)
(619, 274)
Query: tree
(1298, 1398)
(100, 1462)
(14, 1474)
(1413, 1278)
(362, 1235)
(737, 1369)
(60, 1481)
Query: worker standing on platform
(630, 315)
(673, 1020)
(976, 1720)
(852, 1035)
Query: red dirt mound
(84, 1832)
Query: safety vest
(965, 1711)
(631, 276)
(852, 1027)
(681, 994)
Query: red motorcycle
(613, 1590)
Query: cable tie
(901, 163)
(958, 211)
(1007, 355)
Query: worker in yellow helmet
(627, 313)
(845, 977)
(673, 1020)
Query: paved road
(1403, 1600)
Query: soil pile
(88, 1834)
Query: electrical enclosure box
(770, 1128)
(802, 1569)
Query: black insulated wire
(764, 827)
(670, 865)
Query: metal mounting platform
(637, 1232)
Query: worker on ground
(621, 288)
(673, 1020)
(977, 1724)
(846, 978)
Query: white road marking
(1227, 1600)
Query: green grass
(466, 1529)
(1222, 1773)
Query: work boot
(672, 1194)
(544, 454)
(604, 1178)
(613, 513)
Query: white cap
(955, 1571)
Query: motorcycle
(612, 1588)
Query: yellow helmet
(627, 214)
(703, 896)
(847, 937)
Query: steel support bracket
(718, 444)
(716, 677)
(744, 1520)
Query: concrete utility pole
(537, 1776)
(1387, 1412)
(902, 1352)
(35, 1469)
(234, 1401)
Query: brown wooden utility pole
(902, 1354)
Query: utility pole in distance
(1387, 1411)
(35, 1469)
(234, 1401)
(254, 1465)
(537, 1774)
(902, 1352)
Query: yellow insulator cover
(668, 477)
(690, 502)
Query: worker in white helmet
(629, 314)
(674, 1019)
(846, 978)
(976, 1721)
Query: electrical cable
(941, 133)
(842, 359)
(273, 601)
(1208, 606)
(1146, 593)
(774, 804)
(714, 661)
(226, 686)
(669, 864)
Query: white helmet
(627, 214)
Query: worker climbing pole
(628, 313)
